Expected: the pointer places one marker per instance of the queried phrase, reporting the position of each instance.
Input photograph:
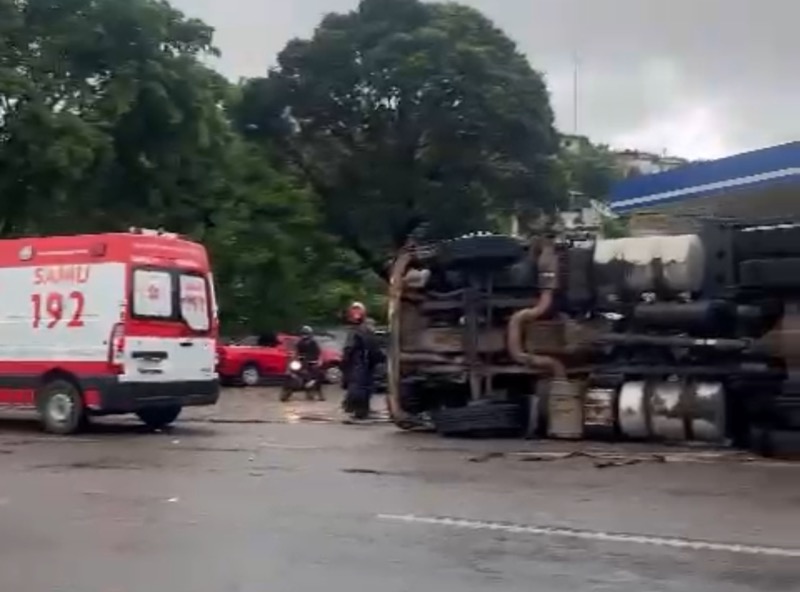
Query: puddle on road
(294, 416)
(239, 449)
(288, 419)
(100, 464)
(375, 472)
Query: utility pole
(575, 91)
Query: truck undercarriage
(681, 337)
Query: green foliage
(109, 119)
(403, 113)
(274, 267)
(590, 172)
(615, 228)
(104, 109)
(398, 117)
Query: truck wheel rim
(60, 407)
(250, 377)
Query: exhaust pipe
(564, 398)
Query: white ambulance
(106, 324)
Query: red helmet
(356, 312)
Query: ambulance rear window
(194, 301)
(165, 294)
(152, 293)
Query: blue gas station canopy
(756, 185)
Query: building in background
(632, 163)
(629, 163)
(575, 144)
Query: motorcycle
(302, 376)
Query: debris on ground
(605, 464)
(607, 459)
(544, 456)
(362, 471)
(486, 457)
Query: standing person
(358, 363)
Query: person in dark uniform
(358, 363)
(308, 351)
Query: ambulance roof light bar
(152, 232)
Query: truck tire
(412, 399)
(250, 375)
(487, 250)
(411, 402)
(771, 242)
(775, 443)
(483, 419)
(519, 276)
(156, 418)
(770, 273)
(61, 407)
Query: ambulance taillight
(116, 348)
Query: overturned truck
(677, 337)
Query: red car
(258, 359)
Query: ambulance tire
(61, 407)
(156, 418)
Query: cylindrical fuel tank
(673, 410)
(666, 411)
(703, 314)
(650, 264)
(709, 414)
(632, 413)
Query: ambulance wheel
(61, 407)
(159, 417)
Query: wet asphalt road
(254, 496)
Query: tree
(591, 172)
(275, 267)
(106, 110)
(403, 113)
(109, 119)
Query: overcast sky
(699, 78)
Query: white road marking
(671, 542)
